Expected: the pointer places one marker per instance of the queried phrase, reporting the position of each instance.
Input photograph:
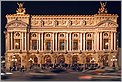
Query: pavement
(43, 75)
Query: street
(90, 75)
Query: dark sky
(58, 7)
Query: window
(48, 35)
(62, 45)
(34, 44)
(17, 34)
(89, 44)
(34, 35)
(17, 43)
(89, 35)
(105, 34)
(105, 43)
(75, 35)
(75, 45)
(48, 45)
(61, 35)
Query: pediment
(16, 23)
(107, 23)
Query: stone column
(11, 41)
(22, 40)
(115, 40)
(111, 40)
(67, 41)
(39, 42)
(70, 42)
(100, 40)
(42, 41)
(97, 40)
(8, 41)
(25, 41)
(92, 44)
(80, 41)
(53, 41)
(56, 42)
(84, 42)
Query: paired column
(115, 41)
(81, 41)
(11, 41)
(97, 40)
(84, 41)
(26, 41)
(42, 41)
(111, 40)
(70, 42)
(22, 40)
(39, 42)
(56, 41)
(100, 40)
(67, 41)
(8, 41)
(53, 41)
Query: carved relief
(75, 22)
(16, 24)
(62, 22)
(35, 23)
(48, 22)
(107, 24)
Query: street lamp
(93, 60)
(14, 60)
(113, 60)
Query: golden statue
(20, 10)
(102, 9)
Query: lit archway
(61, 59)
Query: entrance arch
(33, 60)
(88, 58)
(61, 59)
(105, 60)
(15, 61)
(47, 59)
(75, 59)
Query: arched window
(34, 35)
(105, 34)
(61, 35)
(17, 34)
(89, 35)
(34, 44)
(75, 35)
(48, 35)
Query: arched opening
(15, 62)
(47, 59)
(105, 60)
(61, 59)
(33, 61)
(88, 59)
(75, 59)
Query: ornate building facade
(40, 39)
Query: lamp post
(31, 61)
(113, 60)
(14, 60)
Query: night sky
(59, 8)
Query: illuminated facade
(40, 39)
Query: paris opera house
(55, 39)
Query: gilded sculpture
(102, 9)
(20, 10)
